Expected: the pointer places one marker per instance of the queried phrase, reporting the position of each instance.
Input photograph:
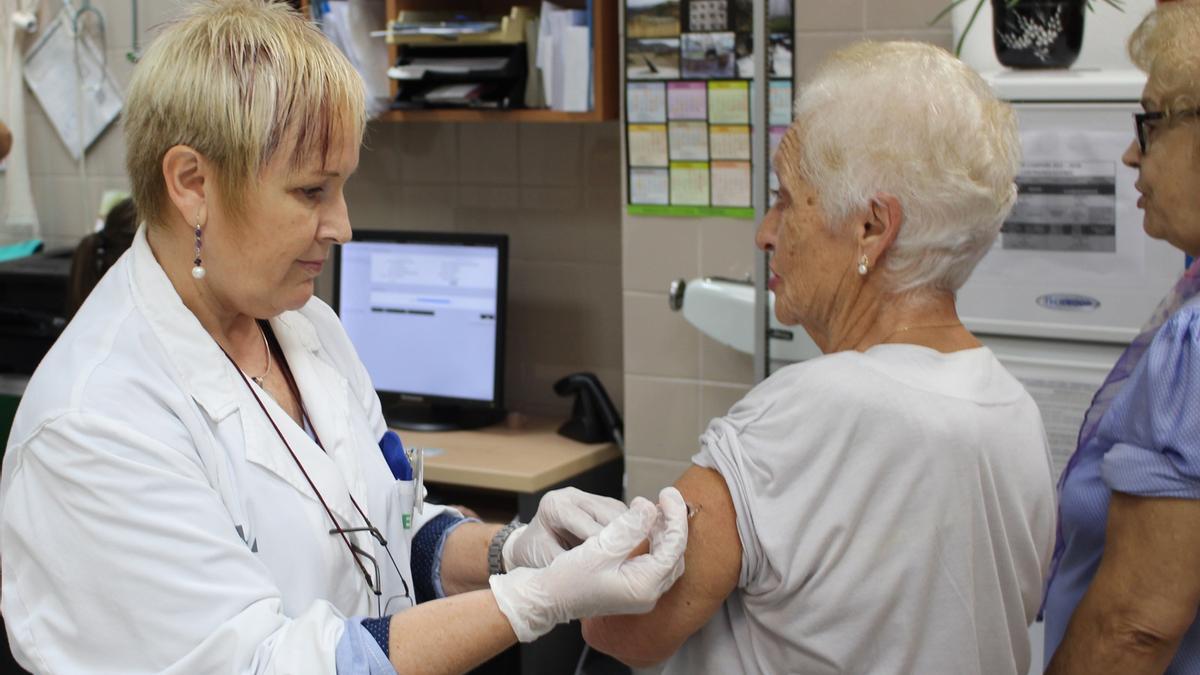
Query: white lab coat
(150, 518)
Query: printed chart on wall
(688, 67)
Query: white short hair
(910, 120)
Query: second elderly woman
(887, 507)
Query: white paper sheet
(54, 78)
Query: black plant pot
(1038, 33)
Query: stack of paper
(564, 57)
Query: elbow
(621, 640)
(1146, 638)
(1145, 634)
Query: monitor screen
(425, 312)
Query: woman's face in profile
(810, 260)
(269, 259)
(1168, 174)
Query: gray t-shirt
(896, 513)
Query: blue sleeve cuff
(426, 560)
(358, 652)
(1143, 473)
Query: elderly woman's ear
(882, 224)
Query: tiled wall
(675, 378)
(554, 189)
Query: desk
(528, 457)
(505, 469)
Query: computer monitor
(425, 311)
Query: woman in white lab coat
(195, 480)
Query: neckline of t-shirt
(903, 373)
(909, 346)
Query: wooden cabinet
(605, 65)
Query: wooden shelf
(604, 65)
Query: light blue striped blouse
(1148, 445)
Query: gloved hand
(598, 577)
(565, 518)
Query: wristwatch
(495, 555)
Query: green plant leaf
(963, 38)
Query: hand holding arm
(565, 518)
(714, 559)
(598, 577)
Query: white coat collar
(215, 384)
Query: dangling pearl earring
(198, 266)
(862, 267)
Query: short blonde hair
(237, 81)
(909, 119)
(1166, 45)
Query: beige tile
(120, 66)
(380, 157)
(658, 341)
(719, 363)
(564, 200)
(47, 154)
(428, 153)
(550, 154)
(646, 477)
(811, 50)
(487, 154)
(106, 157)
(903, 14)
(943, 38)
(63, 207)
(727, 248)
(657, 251)
(567, 312)
(118, 22)
(538, 397)
(499, 199)
(154, 14)
(558, 237)
(604, 197)
(602, 169)
(662, 418)
(823, 15)
(716, 400)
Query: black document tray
(500, 88)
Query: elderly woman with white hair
(887, 507)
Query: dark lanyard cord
(320, 498)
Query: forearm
(464, 557)
(633, 639)
(1105, 638)
(451, 635)
(637, 640)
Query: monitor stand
(440, 417)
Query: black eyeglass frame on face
(1142, 123)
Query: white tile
(646, 477)
(658, 341)
(662, 418)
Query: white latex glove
(598, 577)
(565, 518)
